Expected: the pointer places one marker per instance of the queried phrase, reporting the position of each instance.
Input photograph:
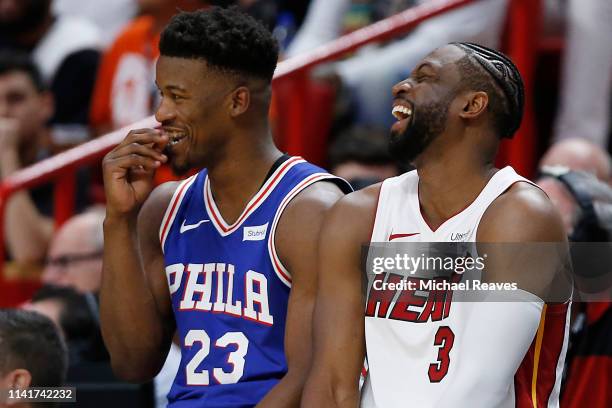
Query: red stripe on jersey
(213, 212)
(398, 236)
(259, 196)
(296, 190)
(536, 376)
(177, 199)
(279, 269)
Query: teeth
(401, 112)
(175, 137)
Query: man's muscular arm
(135, 313)
(524, 235)
(296, 240)
(516, 232)
(339, 343)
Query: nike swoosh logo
(397, 236)
(187, 227)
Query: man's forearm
(27, 232)
(133, 329)
(321, 391)
(287, 393)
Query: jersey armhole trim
(376, 211)
(173, 206)
(279, 269)
(520, 179)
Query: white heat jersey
(426, 350)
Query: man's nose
(165, 111)
(402, 87)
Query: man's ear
(475, 104)
(18, 379)
(240, 101)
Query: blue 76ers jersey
(229, 289)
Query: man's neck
(450, 179)
(236, 178)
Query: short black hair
(363, 144)
(226, 38)
(18, 61)
(31, 341)
(488, 70)
(77, 318)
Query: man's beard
(427, 123)
(178, 168)
(33, 15)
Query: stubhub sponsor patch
(256, 233)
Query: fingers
(153, 137)
(134, 162)
(136, 153)
(146, 143)
(141, 150)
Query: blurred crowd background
(74, 70)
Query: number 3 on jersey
(234, 358)
(445, 338)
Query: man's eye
(421, 78)
(16, 98)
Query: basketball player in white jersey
(453, 111)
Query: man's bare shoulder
(364, 200)
(323, 205)
(301, 222)
(354, 214)
(524, 213)
(320, 195)
(154, 208)
(308, 206)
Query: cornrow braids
(507, 78)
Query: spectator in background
(125, 89)
(32, 352)
(25, 108)
(580, 154)
(110, 16)
(72, 275)
(271, 12)
(375, 69)
(361, 157)
(586, 86)
(575, 174)
(75, 253)
(76, 314)
(65, 49)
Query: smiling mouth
(175, 136)
(401, 112)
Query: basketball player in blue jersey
(226, 259)
(423, 350)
